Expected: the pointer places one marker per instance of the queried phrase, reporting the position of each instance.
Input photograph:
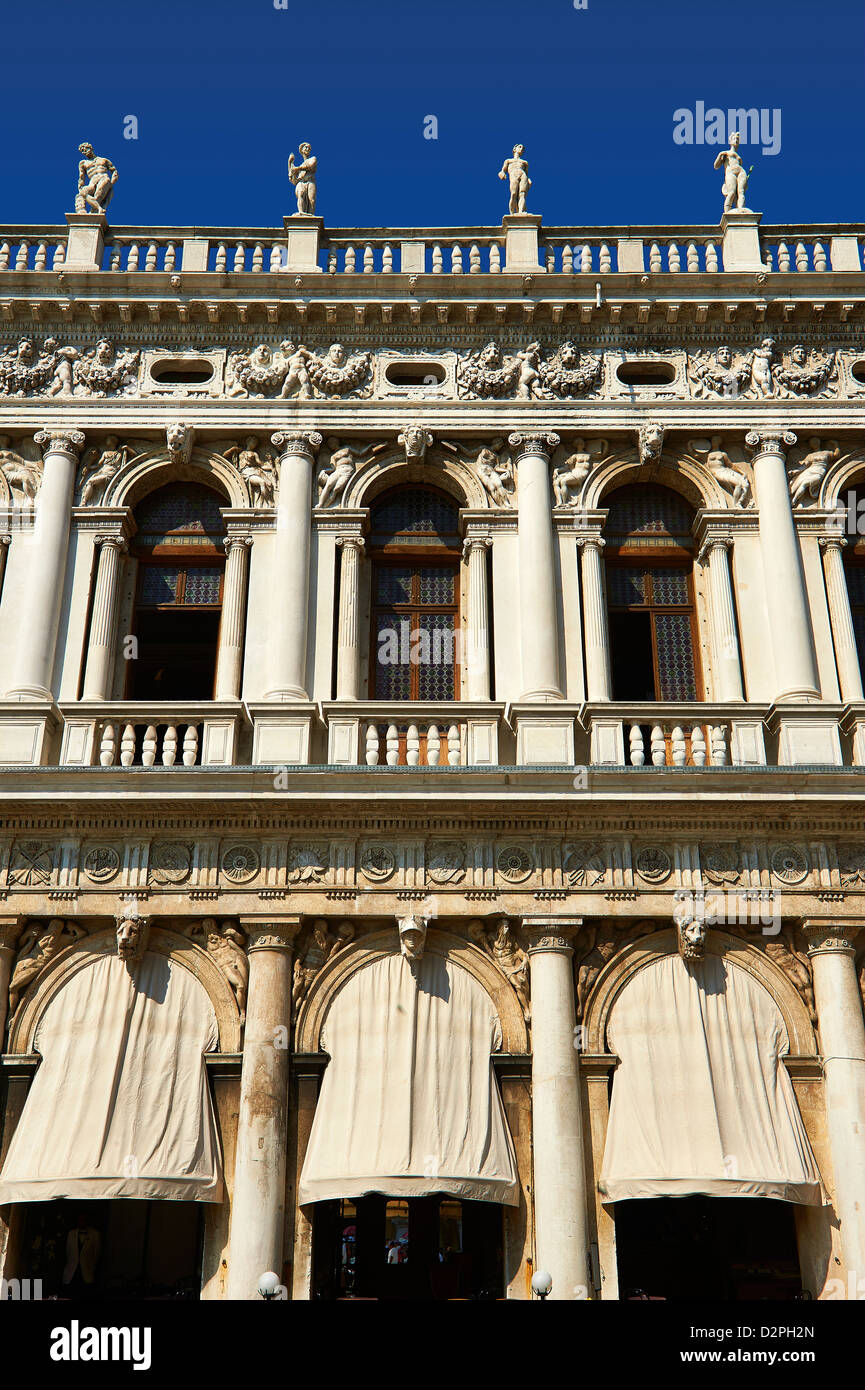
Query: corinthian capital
(534, 443)
(769, 441)
(60, 442)
(831, 937)
(301, 443)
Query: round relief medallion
(446, 862)
(170, 863)
(377, 862)
(514, 863)
(653, 864)
(720, 863)
(101, 863)
(789, 864)
(240, 863)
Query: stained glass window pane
(435, 650)
(181, 507)
(626, 585)
(202, 585)
(670, 585)
(392, 657)
(159, 584)
(393, 585)
(676, 675)
(437, 585)
(415, 512)
(646, 509)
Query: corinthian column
(842, 1044)
(599, 685)
(229, 665)
(539, 625)
(796, 675)
(477, 655)
(258, 1202)
(843, 636)
(348, 633)
(103, 622)
(33, 658)
(727, 666)
(289, 611)
(557, 1120)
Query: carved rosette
(772, 443)
(52, 441)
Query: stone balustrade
(135, 735)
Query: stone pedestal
(101, 648)
(303, 240)
(521, 243)
(561, 1243)
(289, 612)
(741, 233)
(229, 667)
(85, 244)
(539, 623)
(258, 1204)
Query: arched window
(650, 594)
(415, 550)
(178, 600)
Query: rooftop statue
(96, 179)
(735, 176)
(302, 175)
(516, 170)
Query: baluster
(127, 746)
(658, 746)
(392, 744)
(678, 747)
(783, 256)
(239, 258)
(331, 262)
(170, 256)
(350, 257)
(4, 256)
(41, 259)
(767, 263)
(711, 258)
(551, 260)
(454, 745)
(150, 260)
(221, 258)
(568, 260)
(674, 261)
(169, 746)
(605, 262)
(275, 259)
(456, 260)
(819, 256)
(698, 746)
(116, 257)
(693, 256)
(22, 257)
(190, 745)
(148, 746)
(108, 746)
(586, 260)
(801, 256)
(59, 255)
(474, 259)
(257, 256)
(495, 260)
(437, 260)
(368, 260)
(718, 742)
(371, 745)
(133, 256)
(433, 745)
(654, 256)
(387, 260)
(412, 746)
(635, 739)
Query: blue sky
(222, 91)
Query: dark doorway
(707, 1248)
(391, 1248)
(633, 668)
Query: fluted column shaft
(596, 635)
(101, 647)
(229, 666)
(796, 676)
(33, 660)
(348, 620)
(842, 1044)
(727, 672)
(841, 618)
(258, 1200)
(539, 626)
(477, 655)
(289, 611)
(557, 1121)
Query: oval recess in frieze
(414, 373)
(646, 373)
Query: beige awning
(120, 1105)
(702, 1101)
(409, 1104)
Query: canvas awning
(120, 1105)
(409, 1105)
(702, 1101)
